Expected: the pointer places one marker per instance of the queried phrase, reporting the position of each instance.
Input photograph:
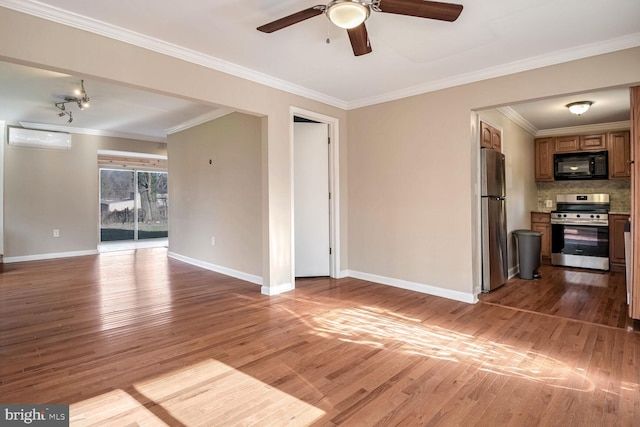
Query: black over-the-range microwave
(584, 165)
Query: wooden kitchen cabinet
(544, 149)
(573, 143)
(619, 154)
(567, 144)
(616, 241)
(490, 137)
(593, 142)
(541, 221)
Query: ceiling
(29, 94)
(410, 55)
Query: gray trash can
(529, 244)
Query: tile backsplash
(619, 191)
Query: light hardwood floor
(588, 295)
(134, 338)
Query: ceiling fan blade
(422, 9)
(292, 19)
(359, 40)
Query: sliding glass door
(152, 206)
(133, 205)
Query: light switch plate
(548, 203)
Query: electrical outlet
(56, 232)
(548, 203)
(213, 241)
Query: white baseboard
(343, 274)
(417, 287)
(40, 257)
(276, 290)
(218, 269)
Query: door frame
(334, 187)
(135, 243)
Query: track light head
(80, 98)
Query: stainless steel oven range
(580, 231)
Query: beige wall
(37, 42)
(518, 148)
(413, 171)
(223, 199)
(57, 189)
(406, 220)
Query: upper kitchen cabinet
(490, 137)
(593, 142)
(619, 154)
(566, 144)
(544, 150)
(573, 143)
(617, 143)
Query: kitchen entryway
(584, 295)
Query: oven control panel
(581, 218)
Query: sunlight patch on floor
(114, 408)
(373, 327)
(202, 394)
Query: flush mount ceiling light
(81, 99)
(347, 13)
(579, 108)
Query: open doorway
(547, 123)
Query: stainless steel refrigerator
(494, 220)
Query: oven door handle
(585, 224)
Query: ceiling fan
(351, 15)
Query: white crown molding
(553, 58)
(75, 20)
(96, 132)
(576, 130)
(207, 117)
(513, 115)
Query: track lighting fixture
(80, 98)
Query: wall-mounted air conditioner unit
(20, 137)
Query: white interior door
(311, 199)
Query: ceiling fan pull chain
(328, 30)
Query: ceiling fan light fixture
(347, 14)
(580, 107)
